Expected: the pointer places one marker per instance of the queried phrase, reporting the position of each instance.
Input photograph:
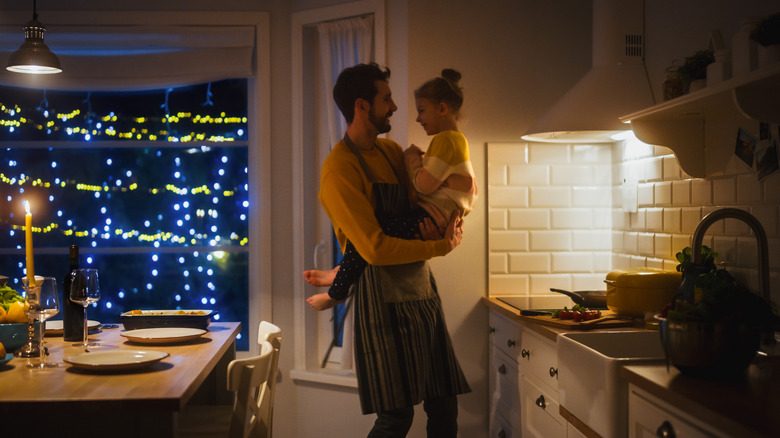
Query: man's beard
(381, 124)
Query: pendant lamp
(34, 56)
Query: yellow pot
(636, 291)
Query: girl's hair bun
(451, 75)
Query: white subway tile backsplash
(671, 168)
(645, 192)
(672, 220)
(591, 240)
(509, 284)
(508, 197)
(701, 192)
(593, 154)
(572, 218)
(497, 219)
(620, 219)
(654, 169)
(748, 189)
(591, 197)
(726, 247)
(543, 282)
(546, 153)
(681, 193)
(602, 261)
(734, 227)
(602, 218)
(690, 218)
(617, 241)
(602, 175)
(767, 215)
(497, 174)
(550, 197)
(529, 175)
(530, 262)
(529, 219)
(550, 240)
(498, 263)
(654, 219)
(508, 240)
(589, 281)
(680, 241)
(572, 175)
(663, 246)
(572, 262)
(770, 184)
(631, 242)
(638, 220)
(646, 245)
(505, 153)
(747, 251)
(662, 192)
(724, 191)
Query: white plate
(163, 335)
(6, 359)
(116, 359)
(55, 327)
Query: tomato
(578, 316)
(592, 314)
(566, 314)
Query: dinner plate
(55, 327)
(8, 357)
(163, 335)
(115, 360)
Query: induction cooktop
(519, 302)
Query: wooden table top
(164, 386)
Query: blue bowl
(14, 335)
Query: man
(403, 354)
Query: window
(152, 185)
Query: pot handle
(610, 282)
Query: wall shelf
(701, 127)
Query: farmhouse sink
(589, 382)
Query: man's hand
(454, 232)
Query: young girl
(443, 178)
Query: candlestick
(29, 245)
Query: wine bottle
(72, 313)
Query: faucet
(758, 230)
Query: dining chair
(268, 332)
(249, 379)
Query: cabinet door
(500, 427)
(505, 334)
(649, 418)
(505, 387)
(539, 358)
(540, 415)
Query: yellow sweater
(348, 199)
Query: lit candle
(29, 245)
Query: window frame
(258, 126)
(313, 328)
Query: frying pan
(592, 299)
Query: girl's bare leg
(319, 278)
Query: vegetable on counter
(577, 313)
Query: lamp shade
(34, 56)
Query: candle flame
(27, 206)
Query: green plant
(767, 32)
(695, 66)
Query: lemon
(16, 313)
(3, 316)
(2, 348)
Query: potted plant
(717, 333)
(767, 35)
(693, 72)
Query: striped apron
(403, 352)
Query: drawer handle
(502, 433)
(491, 329)
(502, 369)
(540, 402)
(525, 353)
(665, 430)
(553, 372)
(510, 342)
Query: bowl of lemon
(13, 319)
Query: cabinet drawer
(541, 417)
(505, 334)
(649, 417)
(500, 428)
(505, 387)
(539, 358)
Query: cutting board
(601, 323)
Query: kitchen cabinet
(539, 393)
(701, 127)
(504, 378)
(649, 416)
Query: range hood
(616, 85)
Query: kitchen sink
(589, 382)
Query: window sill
(340, 378)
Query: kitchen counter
(745, 407)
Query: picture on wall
(745, 147)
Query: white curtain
(342, 44)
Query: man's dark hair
(357, 82)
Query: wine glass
(44, 304)
(85, 290)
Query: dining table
(128, 400)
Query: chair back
(248, 378)
(272, 334)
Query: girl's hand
(454, 232)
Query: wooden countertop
(746, 407)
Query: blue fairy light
(89, 260)
(53, 164)
(147, 224)
(109, 161)
(224, 159)
(181, 260)
(185, 273)
(154, 272)
(149, 286)
(154, 257)
(177, 297)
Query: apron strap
(364, 165)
